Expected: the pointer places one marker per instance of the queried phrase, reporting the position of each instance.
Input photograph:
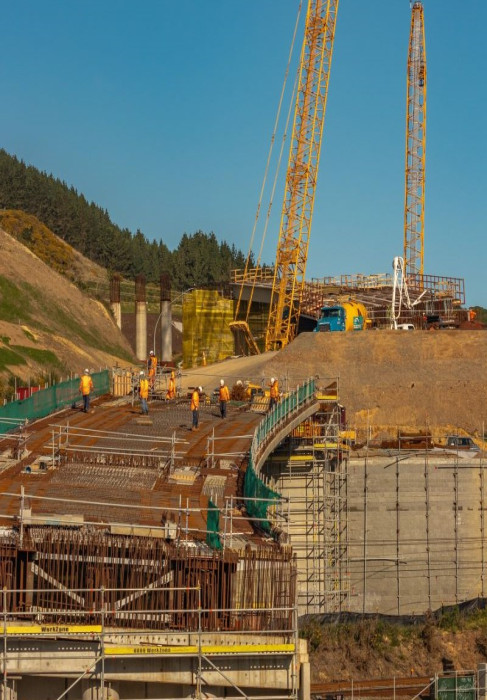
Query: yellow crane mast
(302, 172)
(415, 146)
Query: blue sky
(161, 112)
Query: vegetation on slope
(198, 260)
(39, 239)
(380, 647)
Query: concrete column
(93, 691)
(304, 672)
(482, 681)
(7, 691)
(116, 308)
(115, 304)
(166, 319)
(140, 319)
(166, 331)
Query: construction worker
(195, 406)
(86, 387)
(151, 368)
(274, 393)
(144, 393)
(224, 395)
(171, 389)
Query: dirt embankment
(48, 323)
(421, 379)
(374, 649)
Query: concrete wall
(416, 531)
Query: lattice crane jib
(415, 146)
(302, 171)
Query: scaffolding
(310, 472)
(88, 644)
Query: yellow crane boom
(415, 146)
(302, 172)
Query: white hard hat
(222, 382)
(142, 373)
(272, 380)
(151, 352)
(87, 371)
(239, 382)
(200, 388)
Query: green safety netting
(46, 401)
(456, 688)
(213, 527)
(254, 488)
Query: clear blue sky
(162, 111)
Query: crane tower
(302, 172)
(415, 145)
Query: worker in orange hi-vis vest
(224, 395)
(274, 393)
(151, 368)
(143, 393)
(195, 406)
(86, 387)
(171, 389)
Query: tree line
(198, 260)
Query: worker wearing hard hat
(224, 396)
(86, 387)
(152, 367)
(143, 393)
(274, 393)
(195, 406)
(171, 388)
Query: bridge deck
(94, 487)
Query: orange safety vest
(86, 384)
(144, 389)
(195, 400)
(152, 365)
(274, 392)
(171, 389)
(224, 393)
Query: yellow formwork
(207, 336)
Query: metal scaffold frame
(311, 475)
(100, 643)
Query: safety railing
(272, 631)
(280, 414)
(258, 496)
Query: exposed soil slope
(396, 378)
(47, 323)
(387, 379)
(372, 649)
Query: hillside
(387, 379)
(47, 325)
(394, 378)
(384, 648)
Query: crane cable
(264, 181)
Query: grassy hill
(49, 328)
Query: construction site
(142, 559)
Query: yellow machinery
(301, 176)
(415, 146)
(347, 316)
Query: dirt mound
(419, 379)
(47, 324)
